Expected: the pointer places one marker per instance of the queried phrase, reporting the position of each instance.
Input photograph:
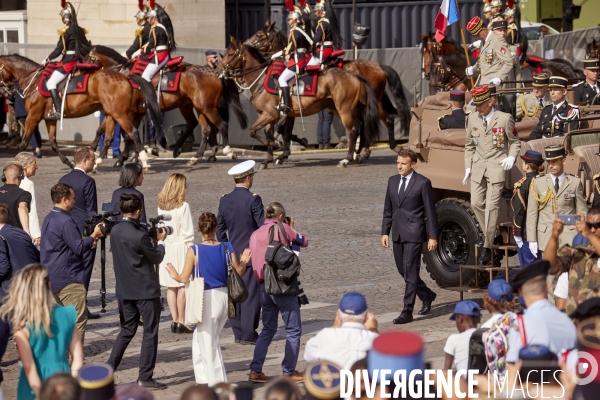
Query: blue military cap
(353, 303)
(536, 352)
(96, 381)
(500, 290)
(533, 270)
(322, 380)
(457, 95)
(209, 53)
(396, 351)
(466, 307)
(533, 157)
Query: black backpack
(477, 358)
(282, 266)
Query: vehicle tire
(459, 231)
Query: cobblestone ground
(339, 209)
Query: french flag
(447, 15)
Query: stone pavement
(339, 210)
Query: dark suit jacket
(86, 202)
(124, 190)
(134, 257)
(407, 219)
(21, 252)
(18, 101)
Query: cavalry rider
(298, 56)
(160, 42)
(74, 46)
(513, 36)
(141, 34)
(326, 35)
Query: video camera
(157, 225)
(105, 217)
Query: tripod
(103, 274)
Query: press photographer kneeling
(137, 286)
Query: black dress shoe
(174, 327)
(403, 319)
(152, 384)
(485, 257)
(248, 342)
(92, 315)
(37, 154)
(237, 340)
(181, 328)
(427, 304)
(118, 164)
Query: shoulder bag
(282, 266)
(236, 288)
(194, 293)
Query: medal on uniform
(497, 137)
(570, 196)
(488, 55)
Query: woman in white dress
(29, 163)
(171, 201)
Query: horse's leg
(263, 120)
(362, 144)
(108, 125)
(187, 112)
(51, 127)
(124, 120)
(214, 143)
(350, 124)
(224, 131)
(205, 132)
(33, 119)
(286, 132)
(269, 131)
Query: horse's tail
(371, 117)
(151, 101)
(402, 107)
(231, 97)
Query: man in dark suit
(137, 286)
(408, 200)
(86, 203)
(241, 212)
(458, 118)
(16, 251)
(18, 100)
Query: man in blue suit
(86, 203)
(16, 251)
(241, 212)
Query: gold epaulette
(520, 182)
(85, 31)
(62, 31)
(138, 31)
(596, 176)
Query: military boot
(285, 108)
(57, 105)
(154, 148)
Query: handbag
(236, 288)
(282, 266)
(194, 294)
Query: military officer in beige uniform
(495, 61)
(532, 103)
(490, 150)
(555, 192)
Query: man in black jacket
(137, 286)
(458, 118)
(409, 204)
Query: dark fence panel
(393, 24)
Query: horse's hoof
(118, 164)
(155, 152)
(343, 163)
(176, 152)
(211, 159)
(304, 143)
(146, 168)
(262, 166)
(232, 156)
(98, 161)
(227, 150)
(358, 159)
(367, 154)
(191, 162)
(278, 162)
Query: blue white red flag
(447, 15)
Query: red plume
(63, 3)
(152, 4)
(302, 3)
(290, 5)
(318, 1)
(141, 5)
(510, 4)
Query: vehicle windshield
(532, 32)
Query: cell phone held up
(569, 219)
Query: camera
(104, 217)
(157, 225)
(302, 299)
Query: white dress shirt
(406, 180)
(488, 118)
(556, 106)
(560, 178)
(344, 345)
(34, 222)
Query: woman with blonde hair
(171, 201)
(29, 163)
(43, 331)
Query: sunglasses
(595, 225)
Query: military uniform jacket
(528, 105)
(67, 45)
(513, 36)
(584, 274)
(584, 92)
(158, 40)
(141, 39)
(486, 147)
(323, 32)
(495, 60)
(298, 39)
(456, 120)
(555, 123)
(544, 202)
(519, 204)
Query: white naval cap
(242, 169)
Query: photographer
(137, 286)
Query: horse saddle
(306, 84)
(333, 61)
(77, 79)
(168, 76)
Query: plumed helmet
(320, 5)
(509, 12)
(497, 3)
(487, 8)
(295, 16)
(294, 11)
(66, 9)
(151, 9)
(143, 9)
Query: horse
(430, 48)
(199, 89)
(107, 90)
(592, 50)
(348, 96)
(270, 40)
(446, 73)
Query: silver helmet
(295, 16)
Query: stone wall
(198, 23)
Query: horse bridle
(6, 86)
(233, 73)
(454, 79)
(265, 37)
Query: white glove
(467, 176)
(476, 43)
(97, 114)
(496, 81)
(277, 55)
(470, 71)
(45, 61)
(508, 163)
(124, 54)
(533, 248)
(519, 241)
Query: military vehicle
(441, 159)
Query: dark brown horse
(199, 89)
(107, 90)
(349, 96)
(269, 40)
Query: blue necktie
(402, 189)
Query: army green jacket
(584, 273)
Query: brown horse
(199, 89)
(349, 96)
(270, 40)
(107, 90)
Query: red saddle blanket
(77, 84)
(306, 83)
(168, 83)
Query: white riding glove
(467, 176)
(533, 248)
(470, 71)
(45, 61)
(475, 44)
(277, 55)
(97, 114)
(496, 81)
(519, 241)
(508, 163)
(124, 54)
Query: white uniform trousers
(54, 80)
(285, 76)
(206, 351)
(314, 61)
(152, 69)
